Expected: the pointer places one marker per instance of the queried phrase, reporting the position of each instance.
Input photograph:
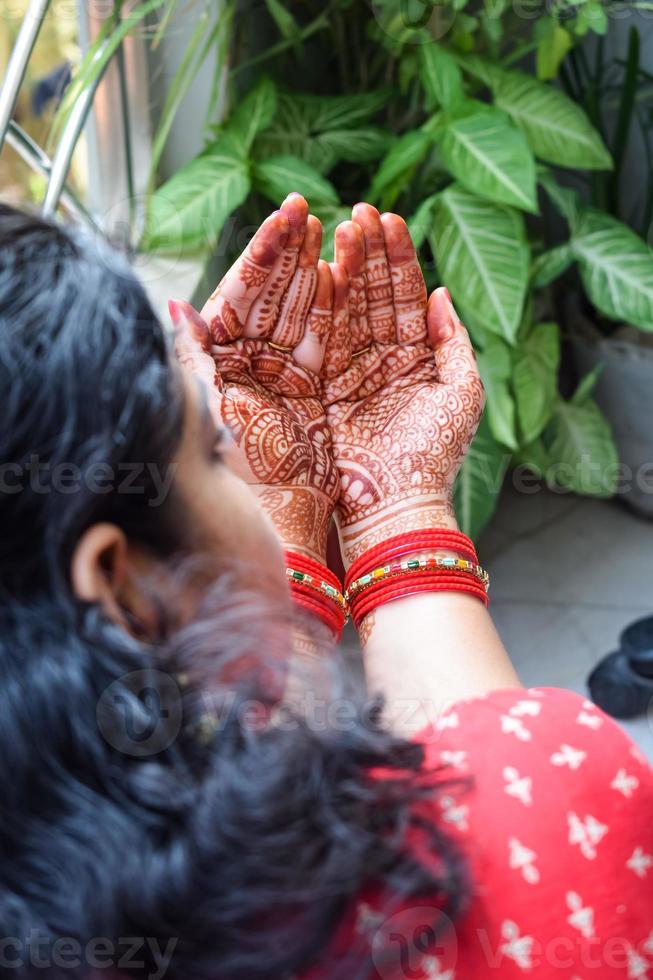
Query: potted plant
(611, 320)
(419, 108)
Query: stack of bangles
(388, 571)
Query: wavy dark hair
(234, 853)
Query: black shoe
(618, 688)
(637, 643)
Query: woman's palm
(401, 415)
(258, 344)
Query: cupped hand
(401, 388)
(258, 345)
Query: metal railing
(114, 112)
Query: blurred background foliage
(499, 128)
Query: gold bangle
(284, 350)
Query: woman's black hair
(145, 822)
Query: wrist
(359, 537)
(429, 560)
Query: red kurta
(557, 827)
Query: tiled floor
(568, 574)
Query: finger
(350, 253)
(408, 286)
(338, 345)
(454, 355)
(310, 349)
(380, 311)
(264, 310)
(192, 346)
(299, 295)
(227, 309)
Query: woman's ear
(98, 569)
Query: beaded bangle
(317, 589)
(308, 581)
(409, 544)
(388, 571)
(416, 565)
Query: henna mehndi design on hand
(270, 398)
(403, 412)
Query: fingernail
(448, 295)
(175, 311)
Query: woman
(165, 809)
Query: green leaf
(591, 17)
(254, 114)
(286, 23)
(495, 367)
(557, 129)
(616, 267)
(490, 156)
(583, 454)
(316, 129)
(587, 385)
(483, 256)
(340, 111)
(553, 44)
(550, 265)
(421, 222)
(535, 378)
(278, 176)
(360, 145)
(479, 482)
(188, 212)
(409, 150)
(440, 77)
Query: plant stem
(624, 119)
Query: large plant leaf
(317, 129)
(254, 114)
(188, 212)
(557, 129)
(409, 150)
(340, 111)
(616, 267)
(440, 76)
(279, 176)
(483, 257)
(490, 156)
(360, 145)
(479, 482)
(535, 378)
(581, 448)
(494, 363)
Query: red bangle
(391, 589)
(410, 543)
(312, 567)
(311, 599)
(323, 612)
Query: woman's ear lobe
(98, 568)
